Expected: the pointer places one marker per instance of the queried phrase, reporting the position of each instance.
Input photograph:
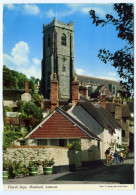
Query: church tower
(58, 57)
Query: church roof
(99, 81)
(60, 124)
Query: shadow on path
(122, 174)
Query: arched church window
(63, 39)
(49, 41)
(63, 69)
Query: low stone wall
(63, 157)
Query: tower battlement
(68, 26)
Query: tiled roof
(60, 125)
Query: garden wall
(63, 157)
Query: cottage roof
(125, 109)
(59, 124)
(100, 114)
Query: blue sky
(22, 37)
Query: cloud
(110, 76)
(19, 54)
(98, 10)
(26, 9)
(9, 6)
(36, 61)
(80, 71)
(50, 13)
(30, 9)
(20, 61)
(85, 8)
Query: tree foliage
(9, 137)
(15, 80)
(30, 113)
(122, 59)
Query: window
(63, 69)
(54, 142)
(63, 40)
(41, 142)
(123, 133)
(22, 143)
(49, 41)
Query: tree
(122, 59)
(30, 113)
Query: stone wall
(63, 157)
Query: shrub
(75, 145)
(9, 137)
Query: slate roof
(125, 109)
(100, 114)
(60, 124)
(13, 94)
(99, 81)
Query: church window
(63, 69)
(49, 41)
(63, 39)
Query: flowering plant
(47, 163)
(34, 163)
(6, 166)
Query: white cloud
(19, 59)
(9, 6)
(27, 9)
(80, 71)
(110, 76)
(30, 9)
(36, 61)
(50, 13)
(98, 10)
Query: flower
(48, 163)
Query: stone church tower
(58, 57)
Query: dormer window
(49, 41)
(63, 39)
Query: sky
(22, 37)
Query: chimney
(75, 91)
(118, 109)
(26, 87)
(83, 90)
(103, 100)
(54, 92)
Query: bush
(75, 145)
(7, 109)
(9, 137)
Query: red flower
(9, 166)
(42, 161)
